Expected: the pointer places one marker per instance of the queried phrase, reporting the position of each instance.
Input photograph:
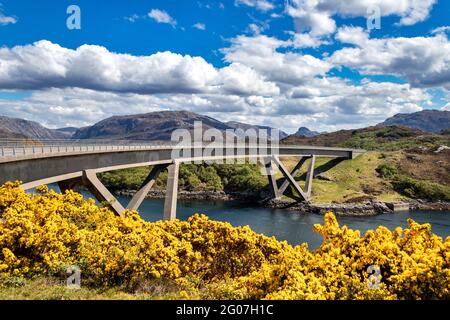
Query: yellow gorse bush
(42, 234)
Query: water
(295, 227)
(288, 225)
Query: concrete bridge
(71, 163)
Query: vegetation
(393, 139)
(216, 177)
(42, 234)
(418, 189)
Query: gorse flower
(42, 234)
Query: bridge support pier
(289, 177)
(99, 191)
(275, 192)
(294, 172)
(170, 204)
(139, 197)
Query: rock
(442, 148)
(324, 177)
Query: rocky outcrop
(344, 209)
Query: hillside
(153, 126)
(20, 128)
(428, 120)
(374, 138)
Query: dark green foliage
(192, 177)
(387, 171)
(413, 188)
(243, 178)
(421, 189)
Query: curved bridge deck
(78, 163)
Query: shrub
(421, 189)
(387, 171)
(42, 234)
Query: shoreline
(361, 209)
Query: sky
(323, 64)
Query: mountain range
(160, 125)
(433, 121)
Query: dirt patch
(423, 164)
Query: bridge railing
(26, 147)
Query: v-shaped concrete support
(99, 191)
(294, 172)
(305, 195)
(139, 197)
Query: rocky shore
(197, 195)
(368, 208)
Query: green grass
(393, 139)
(56, 289)
(351, 179)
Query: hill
(428, 120)
(153, 126)
(20, 128)
(374, 138)
(305, 132)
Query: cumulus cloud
(261, 53)
(263, 5)
(316, 16)
(162, 16)
(265, 80)
(5, 19)
(96, 68)
(199, 26)
(422, 61)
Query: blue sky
(285, 64)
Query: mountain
(305, 132)
(153, 126)
(68, 131)
(15, 128)
(427, 120)
(7, 134)
(245, 126)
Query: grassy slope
(55, 289)
(349, 180)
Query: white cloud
(199, 26)
(161, 16)
(441, 29)
(263, 5)
(265, 82)
(316, 16)
(446, 107)
(260, 53)
(96, 68)
(422, 61)
(5, 20)
(133, 18)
